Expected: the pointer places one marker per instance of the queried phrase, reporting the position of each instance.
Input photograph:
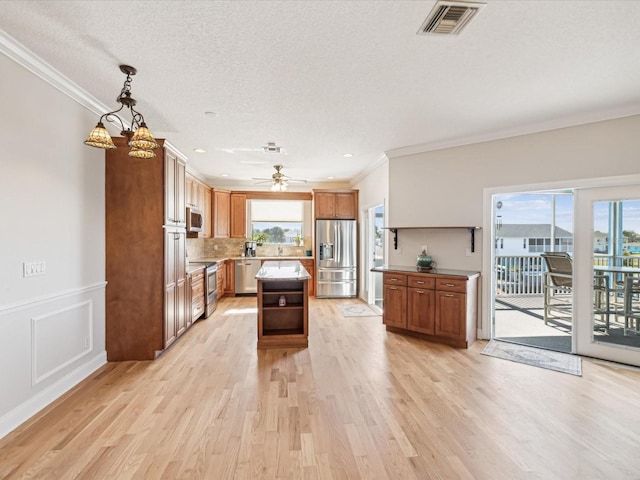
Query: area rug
(356, 310)
(537, 357)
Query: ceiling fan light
(143, 139)
(100, 138)
(141, 153)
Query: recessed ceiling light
(199, 150)
(210, 114)
(224, 174)
(331, 178)
(347, 155)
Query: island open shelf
(286, 324)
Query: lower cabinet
(197, 294)
(439, 307)
(309, 266)
(221, 279)
(175, 314)
(229, 278)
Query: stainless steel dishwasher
(246, 271)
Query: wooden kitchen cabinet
(238, 215)
(335, 204)
(197, 294)
(309, 266)
(175, 284)
(146, 297)
(221, 278)
(174, 181)
(229, 278)
(221, 220)
(394, 293)
(435, 306)
(198, 196)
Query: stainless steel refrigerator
(336, 258)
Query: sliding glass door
(607, 273)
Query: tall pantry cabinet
(146, 306)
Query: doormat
(357, 310)
(537, 357)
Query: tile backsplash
(234, 247)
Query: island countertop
(282, 270)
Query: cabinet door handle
(420, 282)
(449, 295)
(420, 291)
(393, 288)
(450, 284)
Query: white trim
(484, 325)
(14, 418)
(50, 298)
(365, 173)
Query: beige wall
(445, 187)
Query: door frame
(485, 320)
(369, 250)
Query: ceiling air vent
(271, 148)
(449, 18)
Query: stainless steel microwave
(195, 220)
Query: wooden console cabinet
(439, 306)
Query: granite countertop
(194, 268)
(434, 271)
(282, 270)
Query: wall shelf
(471, 230)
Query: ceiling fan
(279, 180)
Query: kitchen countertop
(434, 271)
(194, 268)
(282, 270)
(223, 259)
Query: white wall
(446, 187)
(373, 190)
(52, 210)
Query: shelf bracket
(472, 231)
(395, 237)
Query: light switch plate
(31, 269)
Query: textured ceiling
(325, 78)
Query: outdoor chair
(631, 307)
(558, 286)
(558, 289)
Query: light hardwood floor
(358, 403)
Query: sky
(536, 208)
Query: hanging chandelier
(139, 137)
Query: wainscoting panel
(48, 345)
(60, 338)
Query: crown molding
(36, 65)
(370, 168)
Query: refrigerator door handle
(337, 243)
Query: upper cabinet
(174, 178)
(198, 195)
(336, 204)
(221, 220)
(238, 215)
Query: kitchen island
(283, 305)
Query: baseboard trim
(23, 412)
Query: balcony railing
(524, 274)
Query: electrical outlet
(215, 247)
(86, 342)
(30, 269)
(468, 252)
(424, 248)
